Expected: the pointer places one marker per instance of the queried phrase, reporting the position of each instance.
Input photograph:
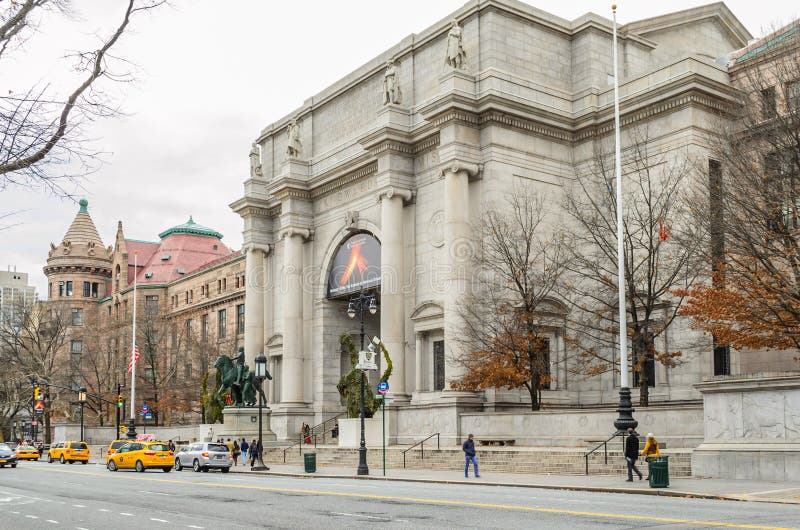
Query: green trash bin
(310, 461)
(658, 470)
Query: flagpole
(625, 410)
(132, 420)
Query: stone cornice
(250, 206)
(70, 268)
(266, 249)
(354, 176)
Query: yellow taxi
(26, 452)
(69, 452)
(141, 456)
(114, 446)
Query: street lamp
(261, 374)
(359, 304)
(82, 401)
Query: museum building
(373, 186)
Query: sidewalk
(741, 490)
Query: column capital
(304, 233)
(252, 247)
(459, 166)
(392, 191)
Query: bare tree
(41, 130)
(661, 250)
(751, 203)
(518, 270)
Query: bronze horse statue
(244, 392)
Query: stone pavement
(742, 490)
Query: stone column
(292, 366)
(418, 372)
(392, 314)
(254, 303)
(459, 247)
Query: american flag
(134, 357)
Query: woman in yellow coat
(650, 451)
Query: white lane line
(32, 516)
(15, 513)
(194, 526)
(359, 515)
(80, 528)
(78, 506)
(126, 513)
(51, 521)
(158, 520)
(103, 510)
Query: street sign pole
(383, 410)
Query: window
(69, 288)
(204, 327)
(242, 280)
(76, 346)
(219, 286)
(237, 281)
(224, 284)
(188, 330)
(438, 365)
(792, 91)
(50, 290)
(94, 289)
(715, 205)
(221, 324)
(151, 304)
(648, 369)
(187, 297)
(77, 316)
(722, 360)
(174, 337)
(240, 319)
(60, 289)
(187, 371)
(768, 103)
(543, 356)
(87, 289)
(191, 296)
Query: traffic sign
(38, 407)
(145, 408)
(34, 422)
(148, 416)
(383, 387)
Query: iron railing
(604, 445)
(421, 445)
(314, 435)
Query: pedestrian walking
(236, 453)
(244, 447)
(651, 451)
(253, 449)
(632, 454)
(171, 445)
(469, 452)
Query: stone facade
(530, 102)
(190, 308)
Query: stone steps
(557, 461)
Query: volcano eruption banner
(356, 265)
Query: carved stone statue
(391, 84)
(243, 385)
(255, 161)
(294, 146)
(456, 55)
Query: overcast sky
(209, 76)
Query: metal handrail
(421, 443)
(324, 431)
(298, 443)
(604, 445)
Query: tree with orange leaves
(517, 273)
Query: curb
(596, 489)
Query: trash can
(658, 470)
(310, 461)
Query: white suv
(203, 456)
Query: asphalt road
(38, 495)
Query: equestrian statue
(236, 376)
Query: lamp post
(24, 425)
(14, 432)
(359, 304)
(82, 401)
(261, 374)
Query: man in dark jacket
(632, 454)
(469, 452)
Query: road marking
(364, 516)
(80, 528)
(103, 510)
(158, 520)
(194, 526)
(15, 513)
(442, 502)
(31, 516)
(126, 513)
(51, 521)
(79, 506)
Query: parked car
(26, 452)
(69, 452)
(7, 456)
(202, 456)
(141, 456)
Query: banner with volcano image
(356, 265)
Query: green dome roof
(190, 227)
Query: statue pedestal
(242, 422)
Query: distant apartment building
(14, 292)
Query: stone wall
(752, 427)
